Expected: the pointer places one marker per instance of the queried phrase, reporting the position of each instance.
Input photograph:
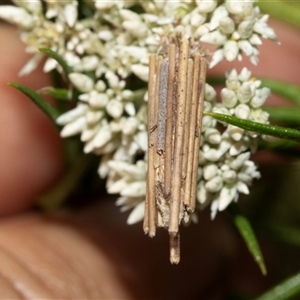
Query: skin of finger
(30, 152)
(84, 255)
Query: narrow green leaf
(59, 94)
(67, 69)
(287, 90)
(273, 130)
(245, 229)
(284, 114)
(285, 290)
(46, 107)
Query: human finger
(91, 254)
(30, 152)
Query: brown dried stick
(150, 215)
(169, 127)
(175, 202)
(156, 103)
(192, 130)
(203, 68)
(175, 248)
(187, 131)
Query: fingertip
(30, 152)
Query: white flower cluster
(236, 27)
(108, 42)
(225, 169)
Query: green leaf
(59, 94)
(287, 90)
(273, 130)
(285, 290)
(67, 69)
(46, 107)
(284, 114)
(245, 229)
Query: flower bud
(244, 93)
(211, 155)
(212, 136)
(197, 20)
(137, 213)
(229, 98)
(247, 9)
(219, 13)
(130, 126)
(210, 93)
(242, 111)
(202, 195)
(229, 176)
(245, 29)
(244, 75)
(98, 100)
(214, 185)
(115, 108)
(210, 171)
(234, 7)
(129, 108)
(89, 63)
(72, 114)
(246, 47)
(233, 84)
(206, 6)
(82, 82)
(242, 188)
(70, 14)
(105, 35)
(239, 161)
(235, 133)
(140, 71)
(136, 28)
(74, 127)
(227, 25)
(103, 136)
(134, 189)
(17, 16)
(260, 97)
(255, 39)
(92, 117)
(214, 38)
(227, 195)
(231, 50)
(266, 31)
(129, 15)
(216, 58)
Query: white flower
(17, 15)
(82, 82)
(128, 180)
(235, 27)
